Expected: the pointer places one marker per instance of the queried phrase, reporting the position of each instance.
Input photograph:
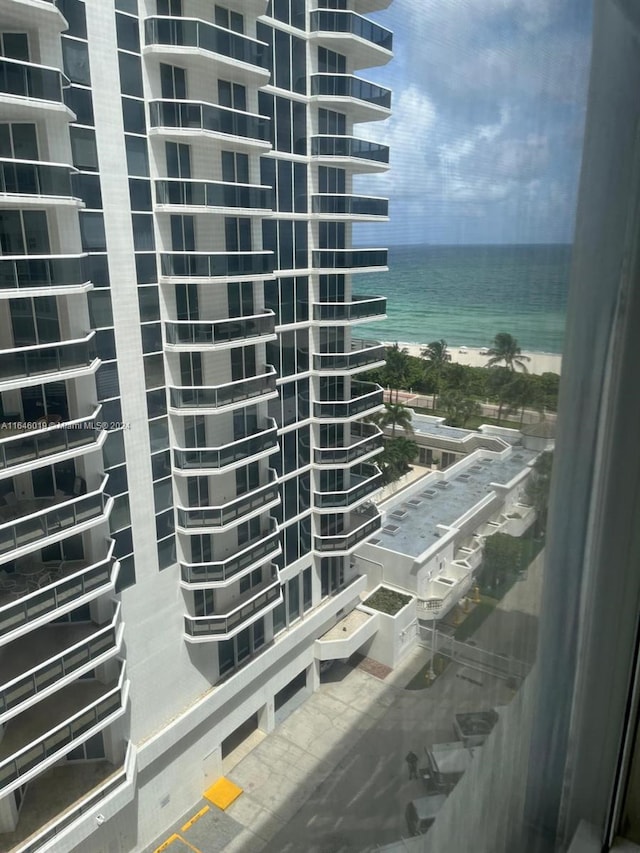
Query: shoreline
(540, 362)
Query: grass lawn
(473, 422)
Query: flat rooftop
(413, 515)
(425, 425)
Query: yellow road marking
(195, 818)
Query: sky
(487, 120)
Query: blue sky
(488, 113)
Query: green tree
(396, 370)
(519, 393)
(505, 350)
(397, 456)
(394, 415)
(498, 380)
(459, 408)
(500, 557)
(437, 356)
(538, 487)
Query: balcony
(224, 47)
(186, 335)
(364, 355)
(37, 592)
(256, 604)
(22, 14)
(216, 265)
(242, 560)
(42, 275)
(358, 154)
(41, 85)
(363, 100)
(44, 733)
(203, 518)
(366, 440)
(35, 363)
(366, 398)
(194, 118)
(364, 480)
(365, 208)
(230, 394)
(360, 525)
(52, 658)
(30, 522)
(351, 260)
(361, 308)
(23, 444)
(243, 450)
(212, 196)
(366, 43)
(23, 182)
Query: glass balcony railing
(263, 548)
(30, 520)
(365, 480)
(212, 626)
(232, 511)
(360, 308)
(187, 32)
(220, 457)
(338, 21)
(363, 354)
(19, 177)
(216, 265)
(22, 272)
(212, 194)
(349, 146)
(48, 745)
(23, 444)
(200, 116)
(365, 439)
(348, 86)
(362, 523)
(26, 80)
(57, 587)
(210, 333)
(365, 396)
(349, 205)
(340, 259)
(43, 675)
(47, 358)
(217, 396)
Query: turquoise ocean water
(466, 294)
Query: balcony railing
(22, 177)
(264, 548)
(348, 86)
(189, 32)
(47, 358)
(187, 459)
(217, 396)
(212, 626)
(194, 193)
(28, 521)
(78, 656)
(349, 205)
(349, 146)
(361, 525)
(232, 511)
(219, 332)
(340, 259)
(325, 21)
(365, 439)
(201, 116)
(27, 80)
(364, 396)
(363, 353)
(216, 264)
(58, 587)
(51, 744)
(360, 308)
(23, 272)
(365, 480)
(19, 446)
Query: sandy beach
(541, 362)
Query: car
(484, 351)
(420, 814)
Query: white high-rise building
(185, 468)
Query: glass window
(87, 187)
(83, 148)
(306, 589)
(166, 553)
(140, 194)
(159, 434)
(79, 101)
(75, 55)
(106, 349)
(126, 575)
(143, 236)
(137, 157)
(113, 449)
(128, 33)
(149, 303)
(146, 269)
(117, 482)
(92, 232)
(133, 116)
(152, 338)
(100, 314)
(74, 12)
(130, 74)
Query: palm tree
(396, 369)
(395, 415)
(459, 408)
(398, 455)
(437, 356)
(505, 350)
